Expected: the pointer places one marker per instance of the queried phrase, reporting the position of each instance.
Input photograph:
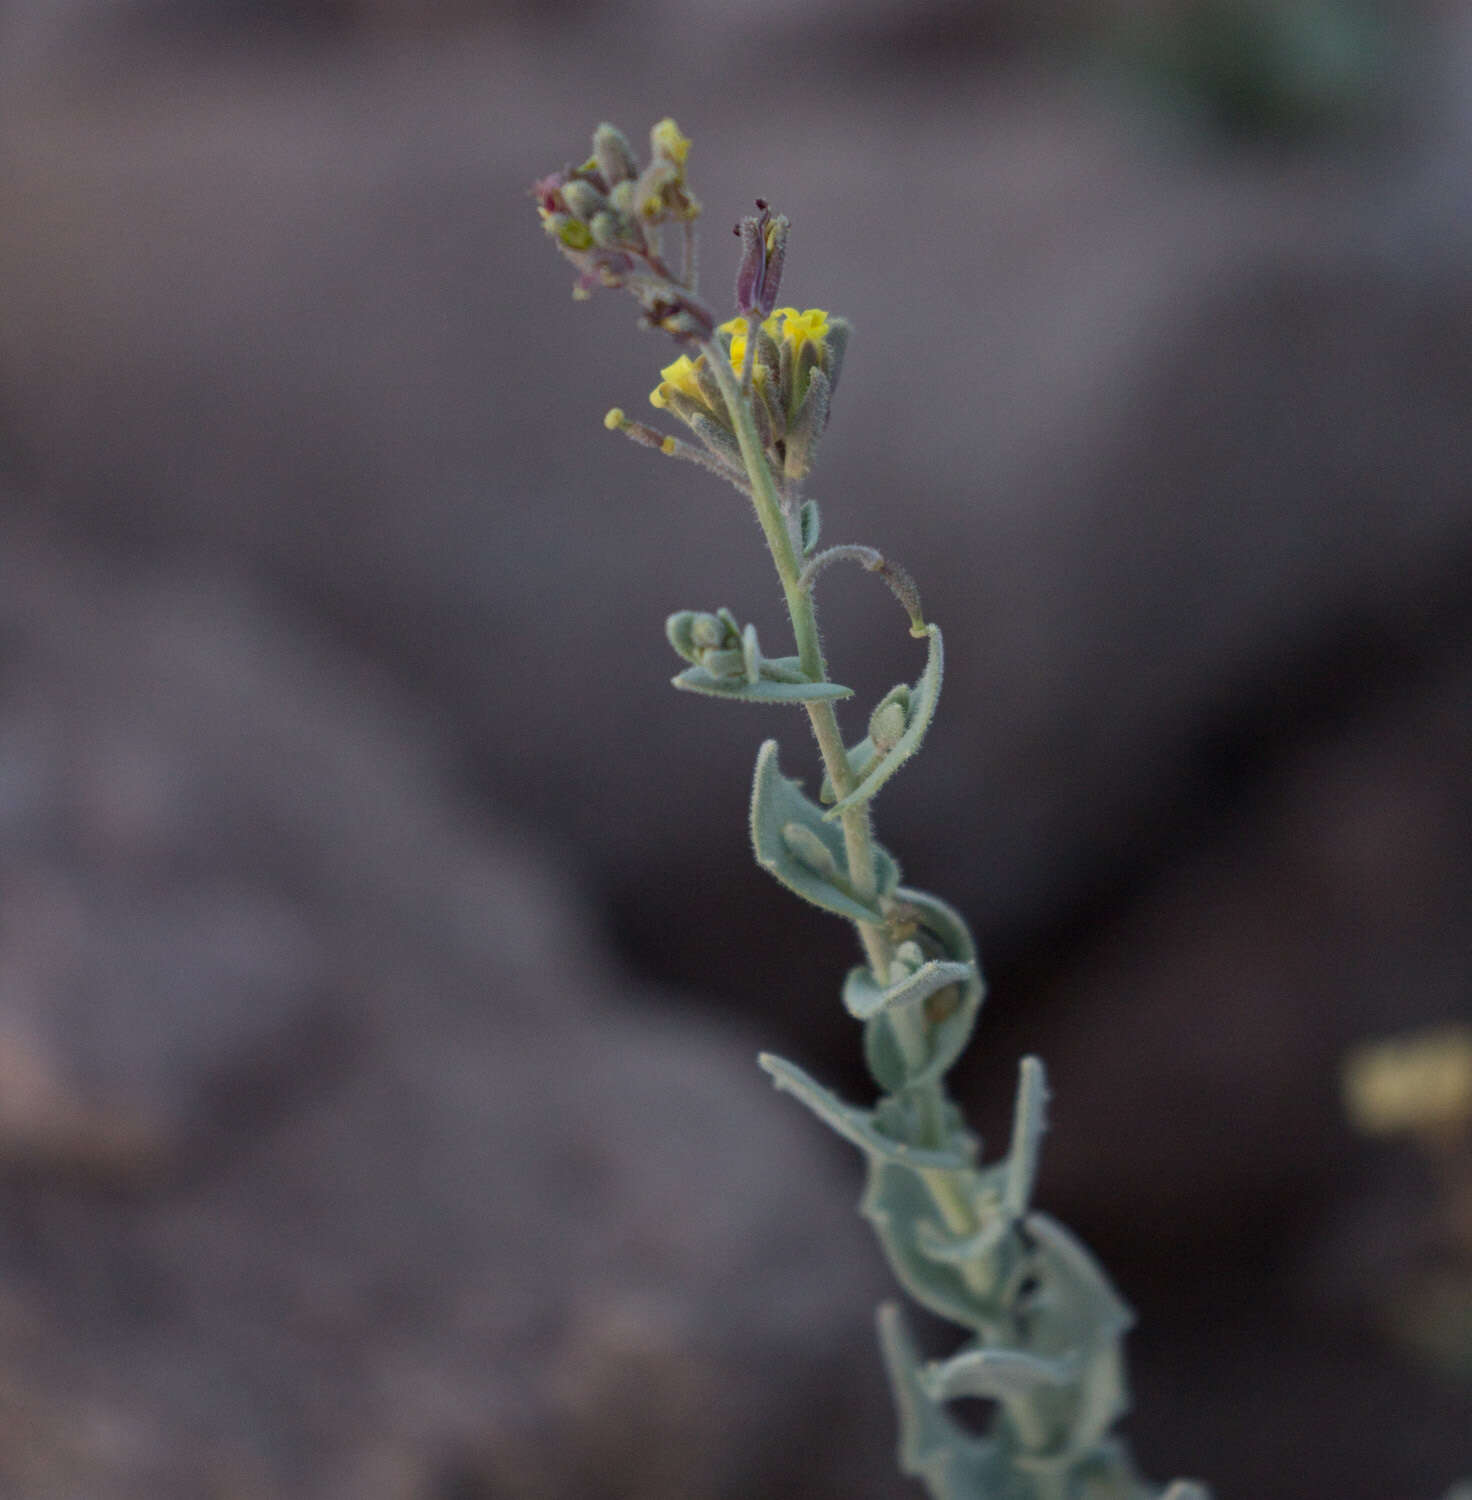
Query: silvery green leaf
(1096, 1305)
(678, 630)
(865, 998)
(897, 1202)
(947, 1034)
(1078, 1310)
(855, 1125)
(1028, 1125)
(923, 698)
(938, 1245)
(783, 669)
(934, 1447)
(699, 680)
(996, 1374)
(1189, 1489)
(777, 802)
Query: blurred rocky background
(381, 964)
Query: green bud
(808, 521)
(605, 228)
(707, 631)
(614, 155)
(574, 235)
(751, 656)
(582, 198)
(805, 846)
(723, 664)
(888, 721)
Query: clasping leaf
(790, 837)
(873, 764)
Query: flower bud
(763, 250)
(605, 228)
(582, 199)
(574, 234)
(887, 722)
(707, 631)
(614, 155)
(807, 848)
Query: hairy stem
(770, 512)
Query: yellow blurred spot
(1411, 1084)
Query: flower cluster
(606, 217)
(791, 368)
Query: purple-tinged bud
(763, 249)
(548, 192)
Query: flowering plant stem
(777, 526)
(1045, 1326)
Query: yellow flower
(799, 328)
(736, 327)
(681, 377)
(786, 325)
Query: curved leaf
(934, 1447)
(996, 1374)
(936, 1244)
(897, 1202)
(853, 1124)
(865, 998)
(777, 803)
(874, 768)
(947, 1034)
(1028, 1126)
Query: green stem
(776, 527)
